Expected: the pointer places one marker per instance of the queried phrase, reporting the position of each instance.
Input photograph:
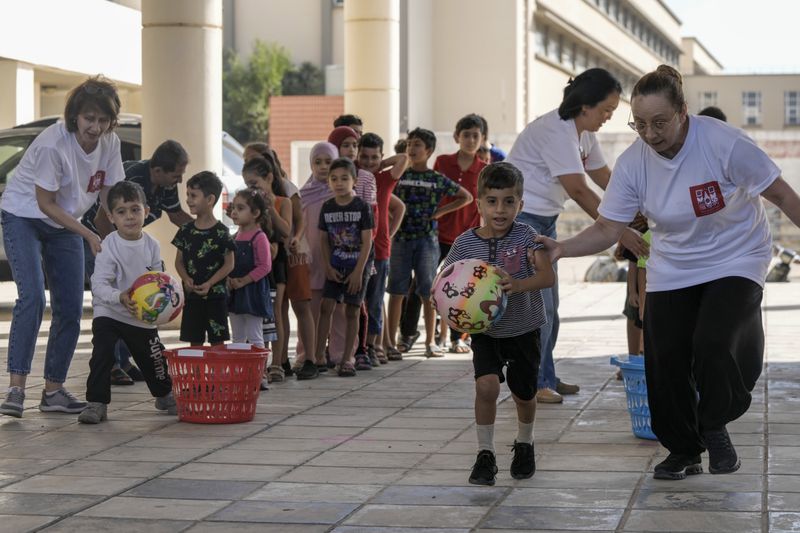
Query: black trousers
(146, 349)
(704, 348)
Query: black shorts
(631, 313)
(205, 316)
(520, 355)
(338, 291)
(280, 266)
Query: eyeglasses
(98, 89)
(640, 126)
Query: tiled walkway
(390, 451)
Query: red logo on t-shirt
(707, 198)
(96, 181)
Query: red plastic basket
(216, 385)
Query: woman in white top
(59, 178)
(554, 153)
(699, 182)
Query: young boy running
(513, 342)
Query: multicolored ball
(468, 296)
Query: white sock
(485, 437)
(525, 432)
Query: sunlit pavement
(391, 449)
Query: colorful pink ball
(468, 296)
(158, 297)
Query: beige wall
(419, 83)
(482, 79)
(696, 59)
(729, 96)
(295, 24)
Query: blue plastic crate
(636, 391)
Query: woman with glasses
(58, 179)
(700, 183)
(554, 154)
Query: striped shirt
(525, 310)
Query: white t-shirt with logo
(547, 148)
(55, 162)
(704, 206)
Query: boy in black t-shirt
(204, 260)
(513, 341)
(346, 222)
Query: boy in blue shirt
(512, 342)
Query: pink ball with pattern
(468, 296)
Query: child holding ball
(127, 253)
(513, 341)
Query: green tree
(247, 87)
(306, 79)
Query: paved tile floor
(390, 451)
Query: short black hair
(347, 120)
(500, 175)
(589, 88)
(370, 140)
(426, 136)
(125, 191)
(714, 112)
(400, 146)
(472, 121)
(208, 183)
(169, 155)
(346, 163)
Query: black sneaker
(722, 458)
(678, 466)
(523, 465)
(308, 371)
(484, 469)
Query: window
(554, 48)
(541, 41)
(581, 60)
(792, 108)
(11, 151)
(569, 55)
(706, 98)
(751, 108)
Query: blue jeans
(420, 256)
(122, 355)
(29, 242)
(376, 289)
(549, 333)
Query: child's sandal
(346, 370)
(276, 374)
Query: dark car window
(130, 151)
(11, 150)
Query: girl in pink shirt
(248, 285)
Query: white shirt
(706, 216)
(55, 162)
(547, 148)
(116, 267)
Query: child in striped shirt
(512, 342)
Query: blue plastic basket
(636, 391)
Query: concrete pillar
(372, 65)
(17, 93)
(182, 89)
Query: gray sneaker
(12, 406)
(167, 403)
(94, 413)
(61, 401)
